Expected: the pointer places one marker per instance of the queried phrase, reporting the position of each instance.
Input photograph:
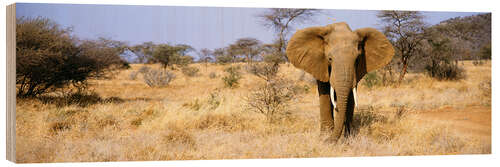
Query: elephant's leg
(326, 108)
(349, 115)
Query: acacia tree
(405, 29)
(221, 56)
(249, 47)
(280, 21)
(169, 55)
(205, 55)
(232, 52)
(144, 52)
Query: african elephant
(338, 58)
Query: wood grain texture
(11, 82)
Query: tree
(48, 57)
(221, 56)
(270, 53)
(232, 52)
(163, 54)
(144, 52)
(106, 54)
(405, 31)
(169, 55)
(205, 55)
(181, 56)
(441, 59)
(280, 20)
(249, 47)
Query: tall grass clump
(158, 78)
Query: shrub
(48, 57)
(445, 71)
(371, 79)
(485, 52)
(190, 71)
(266, 71)
(274, 58)
(442, 63)
(79, 98)
(158, 78)
(271, 99)
(215, 99)
(212, 75)
(231, 80)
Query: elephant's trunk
(343, 80)
(339, 114)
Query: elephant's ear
(306, 51)
(378, 51)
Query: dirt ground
(473, 121)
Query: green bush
(231, 79)
(371, 79)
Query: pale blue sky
(200, 27)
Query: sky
(200, 27)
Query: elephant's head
(349, 55)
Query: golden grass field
(179, 122)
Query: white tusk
(355, 97)
(332, 98)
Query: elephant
(338, 58)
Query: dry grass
(197, 118)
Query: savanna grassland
(123, 119)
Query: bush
(485, 52)
(371, 79)
(274, 58)
(231, 80)
(445, 71)
(190, 71)
(442, 63)
(266, 71)
(215, 99)
(48, 57)
(212, 75)
(271, 99)
(80, 98)
(158, 78)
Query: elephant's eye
(330, 59)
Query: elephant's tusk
(332, 98)
(355, 96)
